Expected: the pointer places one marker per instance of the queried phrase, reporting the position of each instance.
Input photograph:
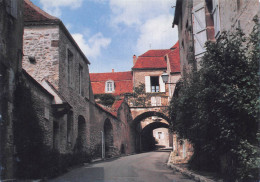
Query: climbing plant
(217, 107)
(105, 99)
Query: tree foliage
(217, 107)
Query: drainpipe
(103, 145)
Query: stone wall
(11, 31)
(41, 103)
(123, 136)
(41, 44)
(235, 13)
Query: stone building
(54, 60)
(199, 21)
(11, 32)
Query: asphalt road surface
(145, 167)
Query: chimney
(134, 59)
(113, 70)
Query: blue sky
(110, 32)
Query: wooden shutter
(153, 101)
(215, 12)
(199, 28)
(147, 84)
(162, 85)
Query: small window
(70, 64)
(155, 84)
(109, 86)
(160, 135)
(46, 113)
(11, 7)
(81, 80)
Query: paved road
(145, 167)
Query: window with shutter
(147, 84)
(216, 19)
(199, 28)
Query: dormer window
(110, 86)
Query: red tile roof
(123, 82)
(33, 13)
(174, 58)
(150, 63)
(156, 53)
(155, 59)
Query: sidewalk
(182, 168)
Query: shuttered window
(216, 19)
(199, 28)
(147, 84)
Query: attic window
(32, 59)
(109, 86)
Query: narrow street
(145, 167)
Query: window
(70, 64)
(215, 12)
(160, 135)
(11, 7)
(156, 101)
(81, 80)
(46, 113)
(109, 86)
(69, 126)
(155, 84)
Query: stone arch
(81, 138)
(147, 114)
(144, 140)
(108, 138)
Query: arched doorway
(81, 138)
(145, 124)
(108, 137)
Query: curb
(188, 173)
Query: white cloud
(157, 33)
(92, 47)
(135, 12)
(53, 6)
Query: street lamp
(165, 77)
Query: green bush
(105, 99)
(217, 107)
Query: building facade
(11, 32)
(199, 21)
(145, 92)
